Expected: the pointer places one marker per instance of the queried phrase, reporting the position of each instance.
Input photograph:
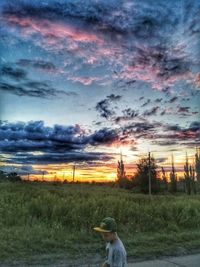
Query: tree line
(146, 179)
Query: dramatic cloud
(32, 143)
(104, 109)
(104, 106)
(177, 133)
(57, 158)
(133, 68)
(34, 136)
(130, 39)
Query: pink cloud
(53, 29)
(151, 74)
(143, 64)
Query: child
(116, 253)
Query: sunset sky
(82, 80)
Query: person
(116, 253)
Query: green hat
(108, 225)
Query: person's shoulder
(120, 246)
(119, 242)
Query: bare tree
(197, 166)
(173, 177)
(187, 176)
(121, 174)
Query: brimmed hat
(108, 225)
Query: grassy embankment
(39, 218)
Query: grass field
(40, 218)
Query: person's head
(108, 229)
(109, 237)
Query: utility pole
(149, 173)
(74, 168)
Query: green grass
(39, 218)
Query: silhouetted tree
(173, 178)
(164, 179)
(14, 177)
(197, 166)
(146, 167)
(187, 176)
(121, 174)
(193, 183)
(3, 176)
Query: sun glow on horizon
(105, 172)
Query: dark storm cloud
(32, 142)
(34, 136)
(104, 136)
(58, 158)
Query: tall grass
(46, 217)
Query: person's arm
(117, 258)
(105, 264)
